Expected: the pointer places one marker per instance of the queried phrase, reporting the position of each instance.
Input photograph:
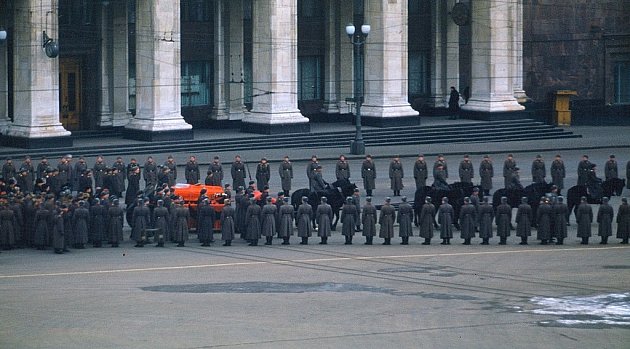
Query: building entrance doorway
(70, 93)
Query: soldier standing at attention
(386, 220)
(42, 167)
(192, 171)
(503, 220)
(268, 217)
(252, 222)
(486, 172)
(396, 175)
(356, 200)
(262, 173)
(310, 169)
(539, 172)
(486, 216)
(560, 212)
(605, 218)
(611, 170)
(342, 170)
(324, 217)
(215, 172)
(29, 178)
(285, 225)
(623, 221)
(466, 170)
(405, 227)
(467, 219)
(170, 163)
(440, 161)
(8, 170)
(584, 218)
(420, 172)
(349, 218)
(64, 172)
(286, 175)
(427, 221)
(584, 168)
(558, 172)
(150, 172)
(120, 166)
(446, 215)
(227, 223)
(524, 216)
(368, 173)
(368, 219)
(304, 218)
(238, 172)
(509, 166)
(99, 171)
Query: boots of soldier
(427, 241)
(180, 244)
(443, 242)
(405, 240)
(160, 244)
(269, 240)
(139, 244)
(227, 243)
(485, 241)
(604, 240)
(368, 192)
(58, 251)
(584, 241)
(304, 241)
(560, 241)
(285, 240)
(347, 240)
(448, 241)
(543, 242)
(503, 241)
(466, 241)
(368, 240)
(286, 193)
(388, 241)
(324, 241)
(624, 241)
(97, 244)
(254, 242)
(523, 240)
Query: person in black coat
(453, 103)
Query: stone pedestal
(386, 66)
(158, 76)
(36, 80)
(275, 70)
(492, 89)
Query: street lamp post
(357, 146)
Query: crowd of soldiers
(72, 205)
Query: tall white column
(445, 62)
(386, 78)
(331, 60)
(220, 110)
(236, 91)
(106, 67)
(120, 100)
(275, 69)
(344, 57)
(36, 77)
(516, 29)
(4, 84)
(158, 73)
(492, 89)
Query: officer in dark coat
(558, 172)
(161, 218)
(140, 218)
(64, 172)
(368, 173)
(214, 173)
(263, 173)
(349, 218)
(8, 170)
(441, 161)
(98, 171)
(427, 221)
(509, 168)
(440, 178)
(467, 219)
(253, 222)
(356, 200)
(192, 171)
(311, 168)
(486, 172)
(227, 223)
(446, 216)
(8, 227)
(181, 224)
(396, 175)
(81, 223)
(485, 213)
(539, 172)
(238, 172)
(172, 166)
(205, 223)
(405, 218)
(524, 216)
(503, 219)
(285, 170)
(303, 220)
(466, 170)
(30, 174)
(611, 169)
(514, 181)
(342, 169)
(604, 219)
(368, 219)
(324, 216)
(285, 221)
(121, 174)
(584, 167)
(453, 103)
(623, 221)
(584, 218)
(544, 217)
(560, 212)
(116, 220)
(97, 223)
(386, 219)
(420, 172)
(318, 184)
(150, 172)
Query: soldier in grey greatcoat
(560, 212)
(238, 172)
(439, 176)
(253, 222)
(349, 218)
(161, 218)
(539, 172)
(29, 179)
(420, 172)
(466, 170)
(285, 170)
(503, 219)
(427, 221)
(524, 216)
(285, 228)
(214, 175)
(440, 162)
(611, 169)
(324, 216)
(404, 219)
(368, 173)
(485, 212)
(368, 219)
(99, 171)
(8, 227)
(241, 202)
(227, 223)
(64, 175)
(58, 231)
(584, 218)
(121, 174)
(192, 171)
(583, 170)
(446, 216)
(205, 223)
(115, 215)
(140, 219)
(396, 175)
(172, 166)
(558, 172)
(544, 216)
(356, 200)
(623, 221)
(97, 223)
(150, 172)
(268, 217)
(310, 169)
(509, 168)
(386, 220)
(604, 219)
(81, 224)
(263, 173)
(181, 225)
(486, 172)
(628, 175)
(342, 169)
(304, 218)
(467, 219)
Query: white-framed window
(622, 82)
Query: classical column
(516, 28)
(35, 79)
(220, 110)
(344, 54)
(158, 74)
(106, 67)
(275, 70)
(331, 61)
(492, 89)
(120, 76)
(386, 78)
(4, 83)
(445, 62)
(236, 92)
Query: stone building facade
(158, 68)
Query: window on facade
(76, 12)
(310, 82)
(195, 83)
(195, 10)
(419, 79)
(622, 82)
(310, 8)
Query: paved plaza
(332, 296)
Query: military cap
(605, 200)
(428, 199)
(466, 156)
(280, 193)
(286, 199)
(388, 199)
(583, 198)
(612, 156)
(475, 189)
(304, 199)
(467, 200)
(486, 156)
(624, 200)
(368, 199)
(356, 190)
(324, 199)
(403, 199)
(349, 200)
(538, 156)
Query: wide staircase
(110, 142)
